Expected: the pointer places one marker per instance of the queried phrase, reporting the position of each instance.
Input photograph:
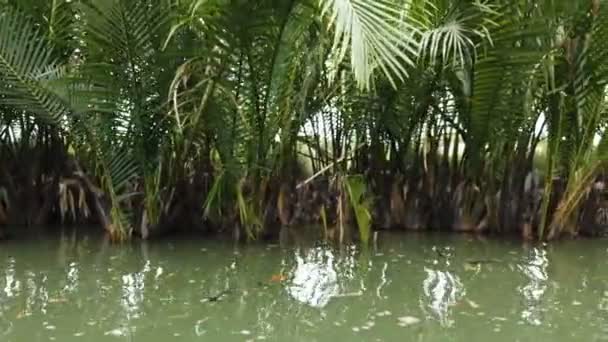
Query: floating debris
(408, 320)
(79, 334)
(307, 322)
(577, 303)
(245, 332)
(159, 272)
(197, 327)
(348, 294)
(23, 313)
(216, 297)
(118, 332)
(57, 300)
(179, 316)
(383, 313)
(356, 329)
(469, 267)
(472, 304)
(278, 278)
(368, 325)
(482, 261)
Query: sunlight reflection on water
(12, 285)
(534, 267)
(441, 291)
(315, 280)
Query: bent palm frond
(453, 30)
(377, 35)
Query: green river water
(409, 287)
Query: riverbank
(289, 115)
(344, 209)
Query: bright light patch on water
(535, 269)
(442, 290)
(315, 280)
(12, 285)
(72, 278)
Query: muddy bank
(394, 201)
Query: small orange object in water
(277, 278)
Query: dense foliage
(146, 116)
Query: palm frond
(452, 34)
(376, 34)
(513, 57)
(26, 63)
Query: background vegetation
(241, 116)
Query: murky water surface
(408, 288)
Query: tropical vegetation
(146, 117)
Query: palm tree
(200, 114)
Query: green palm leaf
(26, 66)
(376, 34)
(453, 29)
